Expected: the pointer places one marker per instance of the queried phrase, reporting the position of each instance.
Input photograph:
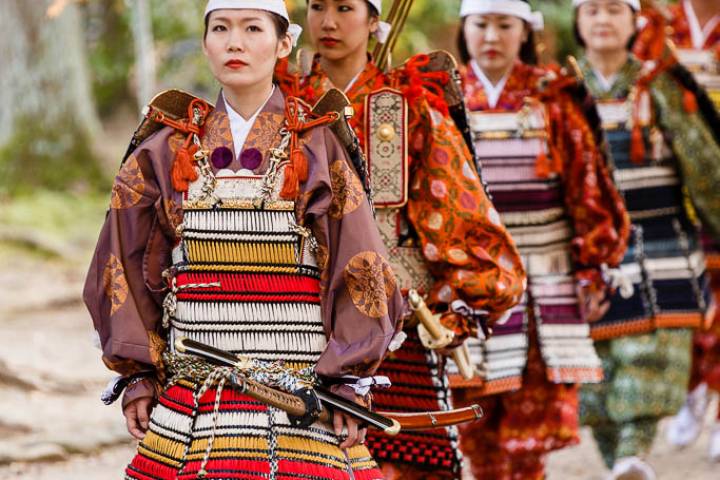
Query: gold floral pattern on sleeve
(115, 284)
(370, 283)
(129, 186)
(348, 192)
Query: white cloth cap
(516, 8)
(277, 7)
(634, 4)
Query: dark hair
(528, 50)
(372, 10)
(579, 40)
(281, 25)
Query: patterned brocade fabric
(706, 344)
(646, 380)
(566, 222)
(520, 427)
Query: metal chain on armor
(277, 155)
(685, 246)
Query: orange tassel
(690, 102)
(183, 170)
(301, 165)
(291, 186)
(637, 147)
(542, 167)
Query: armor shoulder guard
(336, 101)
(172, 104)
(443, 61)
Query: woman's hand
(594, 304)
(137, 416)
(356, 434)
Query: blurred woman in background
(537, 137)
(663, 155)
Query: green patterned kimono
(645, 342)
(646, 380)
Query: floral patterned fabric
(597, 211)
(466, 246)
(520, 427)
(646, 378)
(706, 344)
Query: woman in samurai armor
(245, 227)
(538, 139)
(665, 158)
(694, 28)
(444, 236)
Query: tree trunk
(47, 118)
(144, 51)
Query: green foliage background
(177, 26)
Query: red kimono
(554, 192)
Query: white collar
(492, 92)
(606, 83)
(699, 34)
(352, 82)
(240, 127)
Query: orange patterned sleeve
(601, 222)
(468, 250)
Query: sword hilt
(292, 404)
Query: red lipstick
(236, 64)
(329, 41)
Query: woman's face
(494, 41)
(606, 25)
(242, 47)
(340, 28)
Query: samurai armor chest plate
(664, 261)
(533, 210)
(246, 277)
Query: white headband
(273, 6)
(634, 4)
(516, 8)
(383, 31)
(377, 4)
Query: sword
(301, 406)
(434, 335)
